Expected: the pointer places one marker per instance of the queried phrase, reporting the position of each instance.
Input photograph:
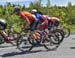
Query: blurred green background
(65, 14)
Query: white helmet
(34, 11)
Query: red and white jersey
(53, 19)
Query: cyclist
(53, 22)
(50, 22)
(27, 16)
(40, 19)
(3, 26)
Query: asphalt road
(65, 50)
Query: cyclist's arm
(42, 23)
(25, 25)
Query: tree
(23, 8)
(48, 7)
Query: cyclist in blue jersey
(39, 17)
(37, 14)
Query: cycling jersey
(48, 23)
(27, 16)
(45, 25)
(54, 19)
(38, 16)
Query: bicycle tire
(21, 44)
(49, 46)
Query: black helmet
(16, 9)
(3, 24)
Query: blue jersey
(38, 16)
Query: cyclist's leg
(33, 26)
(50, 24)
(5, 36)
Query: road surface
(65, 50)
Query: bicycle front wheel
(48, 43)
(21, 44)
